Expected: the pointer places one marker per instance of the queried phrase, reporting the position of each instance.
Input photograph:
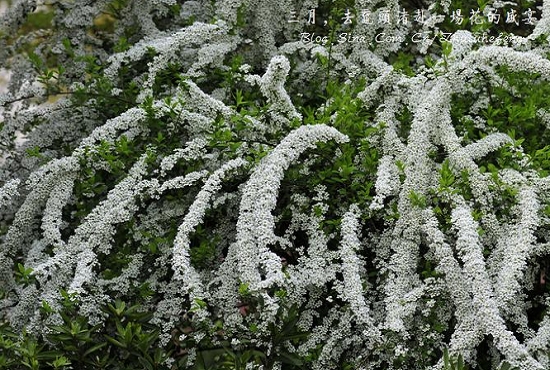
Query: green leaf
(200, 303)
(243, 289)
(94, 349)
(114, 341)
(417, 200)
(460, 362)
(446, 359)
(146, 364)
(291, 359)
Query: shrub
(199, 186)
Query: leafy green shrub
(194, 185)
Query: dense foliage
(208, 185)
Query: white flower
(470, 251)
(387, 181)
(8, 191)
(255, 225)
(353, 287)
(184, 273)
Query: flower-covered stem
(470, 252)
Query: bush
(195, 184)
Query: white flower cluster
(387, 181)
(183, 271)
(353, 288)
(256, 222)
(8, 191)
(168, 48)
(444, 248)
(272, 86)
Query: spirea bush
(211, 185)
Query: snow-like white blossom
(107, 183)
